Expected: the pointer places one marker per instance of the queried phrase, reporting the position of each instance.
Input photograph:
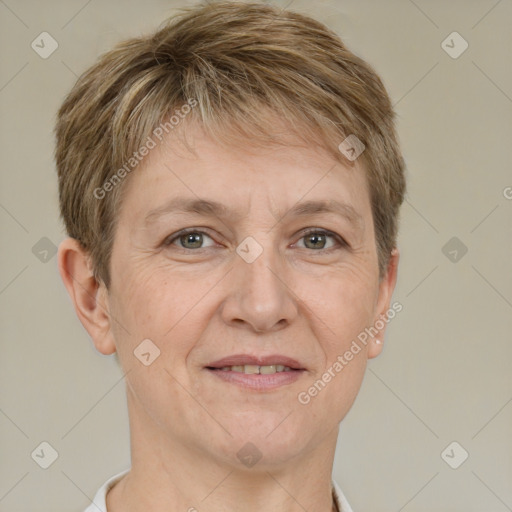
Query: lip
(257, 382)
(243, 359)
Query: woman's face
(257, 278)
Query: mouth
(257, 373)
(254, 369)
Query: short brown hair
(236, 61)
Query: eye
(188, 239)
(317, 239)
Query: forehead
(232, 180)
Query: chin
(261, 443)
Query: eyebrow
(329, 206)
(216, 209)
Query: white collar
(99, 502)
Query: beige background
(445, 374)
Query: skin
(304, 298)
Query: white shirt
(99, 505)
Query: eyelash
(317, 231)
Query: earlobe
(386, 288)
(90, 298)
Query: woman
(231, 186)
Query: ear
(89, 297)
(386, 288)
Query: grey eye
(192, 239)
(315, 240)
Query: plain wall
(445, 373)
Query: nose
(259, 298)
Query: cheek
(342, 302)
(336, 386)
(169, 311)
(344, 308)
(146, 299)
(138, 308)
(149, 307)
